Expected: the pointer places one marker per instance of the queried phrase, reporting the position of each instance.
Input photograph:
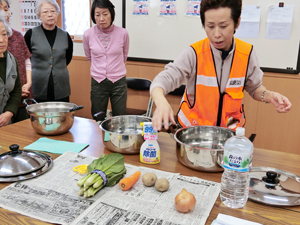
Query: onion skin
(185, 201)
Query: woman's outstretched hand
(163, 113)
(281, 102)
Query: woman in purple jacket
(106, 47)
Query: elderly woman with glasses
(18, 47)
(10, 82)
(52, 50)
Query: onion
(185, 201)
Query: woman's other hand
(163, 113)
(25, 89)
(281, 102)
(5, 118)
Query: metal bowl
(123, 134)
(201, 147)
(51, 118)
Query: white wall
(157, 37)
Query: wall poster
(193, 8)
(168, 8)
(140, 7)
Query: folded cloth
(53, 146)
(223, 219)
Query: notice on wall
(193, 8)
(250, 20)
(140, 7)
(28, 17)
(279, 22)
(168, 8)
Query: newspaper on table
(53, 197)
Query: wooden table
(88, 131)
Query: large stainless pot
(123, 134)
(201, 147)
(51, 118)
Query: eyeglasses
(53, 12)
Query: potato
(149, 179)
(162, 184)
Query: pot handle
(171, 130)
(77, 107)
(252, 137)
(29, 99)
(99, 116)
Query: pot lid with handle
(18, 162)
(274, 187)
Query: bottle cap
(240, 131)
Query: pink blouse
(107, 62)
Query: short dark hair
(234, 5)
(103, 4)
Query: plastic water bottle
(237, 161)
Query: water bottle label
(237, 162)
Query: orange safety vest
(210, 106)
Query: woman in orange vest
(217, 70)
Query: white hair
(7, 2)
(3, 20)
(39, 3)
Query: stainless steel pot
(201, 147)
(51, 118)
(123, 134)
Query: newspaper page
(146, 205)
(53, 197)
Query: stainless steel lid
(18, 162)
(274, 187)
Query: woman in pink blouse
(18, 47)
(106, 47)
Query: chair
(140, 84)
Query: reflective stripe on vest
(210, 107)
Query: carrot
(127, 182)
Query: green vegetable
(112, 165)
